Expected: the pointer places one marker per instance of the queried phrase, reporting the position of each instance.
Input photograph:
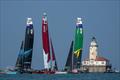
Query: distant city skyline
(101, 19)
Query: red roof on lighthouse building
(101, 59)
(97, 59)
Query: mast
(54, 62)
(78, 44)
(45, 41)
(28, 45)
(19, 62)
(69, 63)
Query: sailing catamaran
(49, 66)
(78, 45)
(24, 59)
(74, 58)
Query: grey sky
(100, 19)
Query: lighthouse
(95, 63)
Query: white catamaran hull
(60, 72)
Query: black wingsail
(68, 66)
(20, 59)
(28, 45)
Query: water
(82, 76)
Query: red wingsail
(45, 37)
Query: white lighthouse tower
(93, 49)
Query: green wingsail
(78, 44)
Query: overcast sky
(100, 19)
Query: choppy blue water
(82, 76)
